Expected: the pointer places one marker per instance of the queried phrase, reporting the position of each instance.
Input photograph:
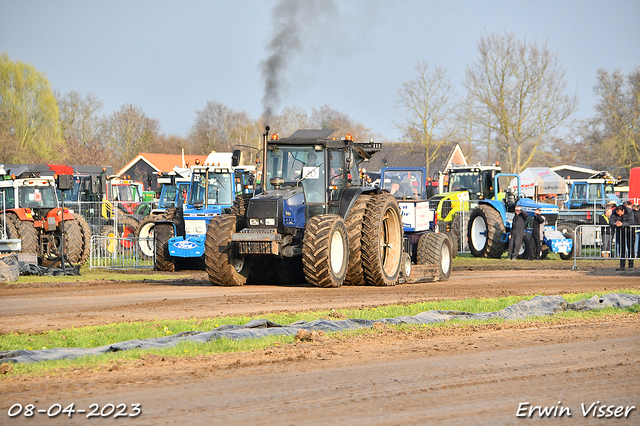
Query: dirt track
(462, 375)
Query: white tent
(536, 181)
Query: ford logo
(185, 245)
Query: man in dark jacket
(537, 233)
(517, 232)
(621, 220)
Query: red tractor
(30, 203)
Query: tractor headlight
(200, 229)
(270, 222)
(254, 222)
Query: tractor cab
(477, 180)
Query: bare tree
(517, 92)
(81, 129)
(219, 128)
(127, 132)
(618, 116)
(290, 120)
(427, 111)
(326, 117)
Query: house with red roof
(146, 166)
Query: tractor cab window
(123, 193)
(38, 197)
(464, 181)
(298, 165)
(212, 187)
(579, 192)
(404, 183)
(7, 198)
(339, 173)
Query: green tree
(516, 94)
(29, 119)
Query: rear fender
(22, 214)
(349, 197)
(497, 205)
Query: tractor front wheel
(435, 249)
(225, 266)
(484, 232)
(325, 251)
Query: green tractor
(466, 187)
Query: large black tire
(73, 242)
(569, 231)
(355, 272)
(145, 233)
(325, 251)
(12, 230)
(459, 231)
(484, 233)
(224, 264)
(9, 267)
(86, 238)
(435, 249)
(26, 232)
(72, 245)
(163, 261)
(382, 241)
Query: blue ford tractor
(218, 186)
(489, 226)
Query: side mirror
(235, 157)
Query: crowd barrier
(598, 242)
(110, 252)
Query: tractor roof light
(274, 137)
(349, 137)
(197, 161)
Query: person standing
(636, 216)
(621, 220)
(517, 232)
(537, 235)
(606, 231)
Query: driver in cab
(398, 190)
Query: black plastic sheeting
(538, 306)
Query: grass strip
(95, 336)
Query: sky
(171, 57)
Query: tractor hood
(278, 208)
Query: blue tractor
(490, 225)
(217, 187)
(313, 220)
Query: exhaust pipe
(265, 140)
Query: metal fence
(597, 242)
(109, 252)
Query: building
(402, 154)
(145, 167)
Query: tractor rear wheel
(145, 233)
(225, 266)
(355, 272)
(484, 233)
(162, 233)
(382, 240)
(26, 232)
(325, 251)
(435, 249)
(86, 238)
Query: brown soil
(454, 375)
